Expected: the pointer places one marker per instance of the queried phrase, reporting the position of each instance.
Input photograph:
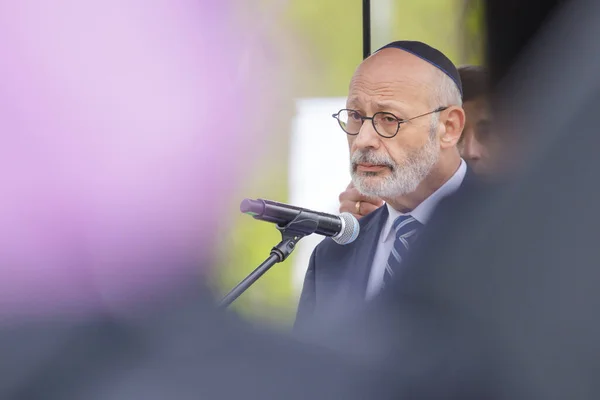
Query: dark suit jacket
(337, 276)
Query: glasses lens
(350, 121)
(386, 124)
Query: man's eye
(387, 119)
(354, 115)
(483, 130)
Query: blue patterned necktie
(406, 228)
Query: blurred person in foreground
(475, 145)
(403, 120)
(121, 140)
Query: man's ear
(454, 122)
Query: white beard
(402, 180)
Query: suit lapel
(364, 251)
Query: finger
(355, 195)
(349, 207)
(376, 201)
(366, 208)
(350, 188)
(351, 194)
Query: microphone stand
(290, 236)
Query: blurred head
(476, 139)
(119, 146)
(424, 148)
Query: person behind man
(475, 144)
(403, 120)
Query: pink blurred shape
(122, 125)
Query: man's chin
(368, 185)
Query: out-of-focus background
(318, 46)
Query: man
(475, 144)
(403, 120)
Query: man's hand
(357, 204)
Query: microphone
(343, 229)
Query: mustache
(371, 157)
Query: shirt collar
(423, 211)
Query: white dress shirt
(421, 213)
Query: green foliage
(473, 37)
(330, 35)
(248, 243)
(435, 22)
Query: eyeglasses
(385, 124)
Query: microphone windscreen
(350, 229)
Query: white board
(318, 168)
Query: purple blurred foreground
(120, 129)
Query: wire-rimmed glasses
(385, 124)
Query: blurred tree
(473, 37)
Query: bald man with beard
(403, 120)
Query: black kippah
(429, 54)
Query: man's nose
(471, 150)
(367, 136)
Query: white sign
(318, 168)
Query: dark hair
(475, 81)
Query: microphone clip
(300, 225)
(291, 233)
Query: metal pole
(366, 25)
